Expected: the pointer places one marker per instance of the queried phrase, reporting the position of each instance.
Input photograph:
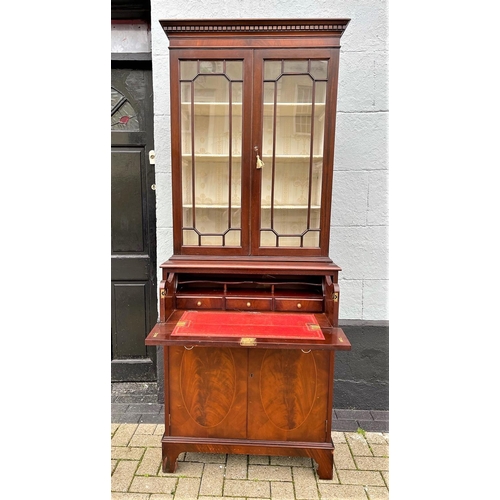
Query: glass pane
(319, 70)
(272, 70)
(295, 66)
(211, 66)
(267, 239)
(189, 69)
(311, 239)
(292, 149)
(289, 241)
(234, 70)
(189, 237)
(211, 241)
(123, 115)
(236, 188)
(232, 238)
(211, 137)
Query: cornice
(289, 26)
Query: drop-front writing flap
(248, 324)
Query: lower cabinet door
(208, 392)
(248, 393)
(289, 395)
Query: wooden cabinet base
(321, 453)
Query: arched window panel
(123, 114)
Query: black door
(133, 228)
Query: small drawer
(298, 305)
(199, 302)
(249, 304)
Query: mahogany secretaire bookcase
(249, 301)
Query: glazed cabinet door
(289, 395)
(207, 392)
(252, 150)
(211, 97)
(294, 117)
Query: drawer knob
(299, 305)
(248, 304)
(198, 303)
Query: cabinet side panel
(288, 394)
(208, 392)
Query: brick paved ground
(361, 470)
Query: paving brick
(160, 496)
(342, 492)
(377, 493)
(333, 480)
(358, 445)
(186, 469)
(344, 425)
(372, 463)
(338, 437)
(145, 408)
(142, 484)
(151, 418)
(129, 496)
(380, 450)
(305, 483)
(187, 488)
(254, 489)
(145, 440)
(342, 457)
(374, 425)
(126, 418)
(148, 429)
(123, 434)
(160, 430)
(353, 414)
(380, 415)
(269, 472)
(282, 490)
(236, 466)
(292, 461)
(213, 479)
(150, 463)
(258, 459)
(123, 475)
(376, 438)
(117, 408)
(113, 465)
(126, 452)
(114, 427)
(207, 458)
(363, 477)
(220, 498)
(385, 475)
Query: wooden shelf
(214, 158)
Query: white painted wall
(359, 232)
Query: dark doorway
(133, 223)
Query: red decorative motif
(124, 119)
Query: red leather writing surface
(248, 324)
